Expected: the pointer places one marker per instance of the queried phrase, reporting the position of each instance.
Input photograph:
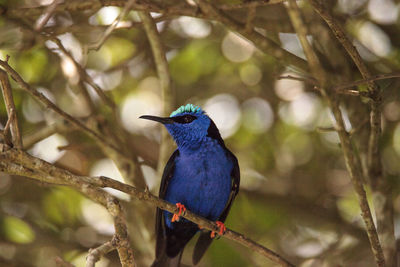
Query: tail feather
(164, 261)
(201, 247)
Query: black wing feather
(205, 240)
(160, 225)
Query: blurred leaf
(62, 205)
(197, 59)
(16, 230)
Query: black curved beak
(166, 120)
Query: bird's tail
(164, 261)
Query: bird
(202, 175)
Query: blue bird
(202, 175)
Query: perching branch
(17, 162)
(352, 162)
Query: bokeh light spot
(236, 49)
(225, 112)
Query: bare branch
(48, 12)
(352, 162)
(380, 187)
(44, 100)
(60, 262)
(262, 42)
(364, 81)
(11, 111)
(167, 92)
(44, 132)
(113, 25)
(17, 162)
(96, 253)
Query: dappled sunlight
(224, 110)
(235, 48)
(257, 115)
(106, 167)
(49, 149)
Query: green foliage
(198, 59)
(61, 206)
(16, 230)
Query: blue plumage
(202, 174)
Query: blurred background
(296, 196)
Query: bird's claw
(221, 227)
(182, 209)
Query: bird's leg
(221, 227)
(182, 209)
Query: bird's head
(189, 125)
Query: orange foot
(222, 229)
(182, 209)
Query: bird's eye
(184, 119)
(187, 119)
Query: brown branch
(60, 262)
(48, 12)
(262, 42)
(96, 253)
(44, 132)
(167, 92)
(113, 25)
(84, 75)
(381, 189)
(311, 81)
(364, 81)
(17, 162)
(11, 111)
(352, 162)
(44, 100)
(250, 4)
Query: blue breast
(201, 181)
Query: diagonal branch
(167, 92)
(96, 253)
(17, 162)
(352, 162)
(262, 42)
(11, 111)
(381, 189)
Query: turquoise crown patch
(188, 108)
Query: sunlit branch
(17, 162)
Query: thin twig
(311, 81)
(84, 75)
(60, 262)
(44, 100)
(262, 42)
(364, 81)
(11, 111)
(167, 92)
(44, 132)
(380, 187)
(250, 4)
(352, 162)
(48, 12)
(17, 162)
(113, 25)
(96, 253)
